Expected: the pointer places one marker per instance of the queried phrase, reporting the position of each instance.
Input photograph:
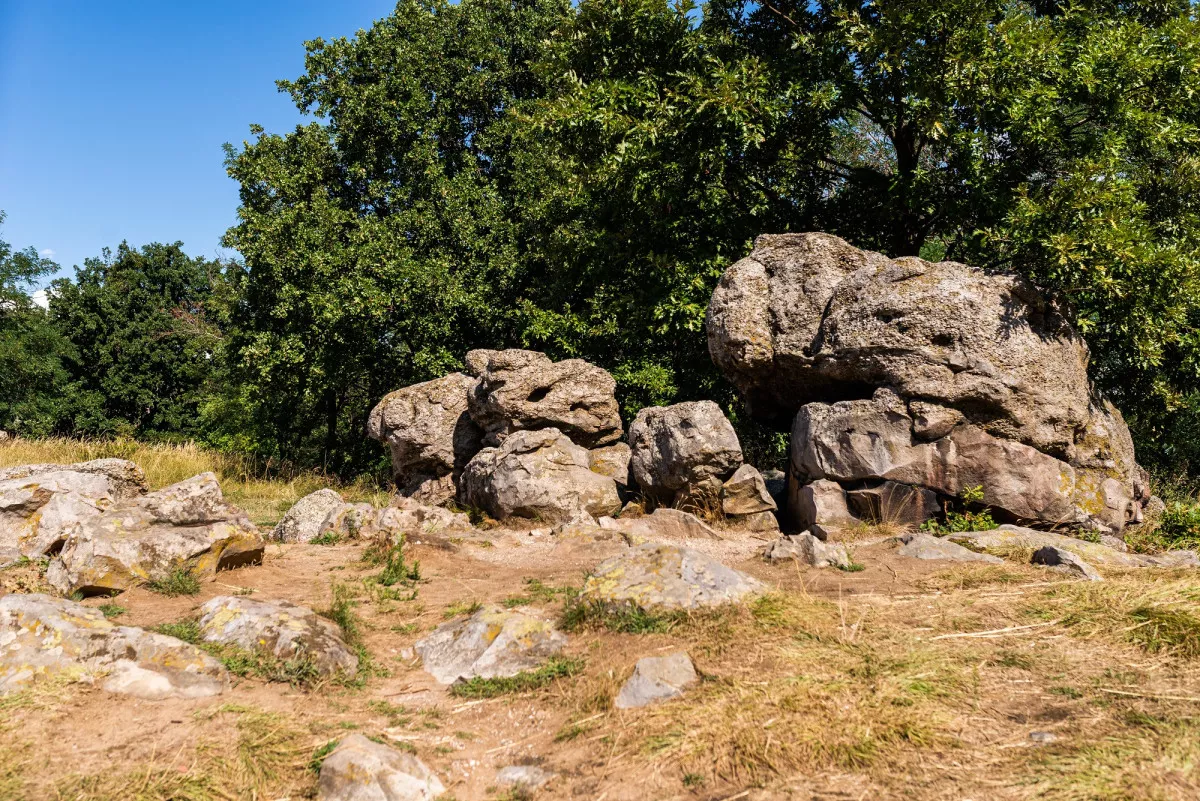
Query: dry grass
(262, 489)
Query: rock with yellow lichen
(362, 770)
(186, 526)
(279, 629)
(491, 643)
(46, 637)
(660, 577)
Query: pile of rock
(907, 382)
(524, 436)
(325, 514)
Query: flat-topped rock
(657, 678)
(920, 545)
(280, 629)
(1007, 538)
(43, 637)
(657, 576)
(491, 643)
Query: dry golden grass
(249, 484)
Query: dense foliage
(573, 177)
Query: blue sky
(112, 114)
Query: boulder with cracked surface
(43, 637)
(537, 474)
(808, 549)
(522, 390)
(491, 643)
(681, 452)
(303, 521)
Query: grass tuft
(1172, 631)
(180, 581)
(558, 667)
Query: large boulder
(806, 318)
(656, 577)
(537, 474)
(186, 526)
(41, 504)
(524, 390)
(303, 521)
(851, 442)
(279, 629)
(491, 643)
(430, 435)
(360, 769)
(682, 452)
(41, 636)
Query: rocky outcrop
(41, 636)
(491, 643)
(303, 521)
(537, 474)
(975, 362)
(920, 545)
(1006, 539)
(186, 526)
(430, 435)
(42, 504)
(360, 769)
(402, 517)
(657, 678)
(660, 577)
(279, 629)
(683, 452)
(521, 390)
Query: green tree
(32, 377)
(143, 343)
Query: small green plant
(1166, 630)
(318, 757)
(396, 571)
(461, 608)
(186, 630)
(558, 667)
(693, 780)
(579, 614)
(180, 581)
(112, 610)
(328, 538)
(341, 611)
(852, 567)
(536, 592)
(962, 518)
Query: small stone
(491, 643)
(809, 550)
(1043, 736)
(657, 678)
(302, 523)
(1062, 558)
(759, 522)
(528, 776)
(362, 770)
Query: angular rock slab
(926, 546)
(430, 435)
(303, 521)
(363, 770)
(657, 678)
(612, 461)
(809, 550)
(656, 576)
(662, 525)
(1064, 560)
(1008, 537)
(125, 478)
(42, 636)
(279, 629)
(524, 390)
(745, 493)
(186, 526)
(537, 474)
(688, 449)
(820, 507)
(492, 643)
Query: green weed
(558, 667)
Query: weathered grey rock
(662, 525)
(540, 475)
(745, 493)
(807, 318)
(303, 521)
(682, 451)
(360, 769)
(819, 507)
(809, 550)
(186, 526)
(525, 390)
(125, 479)
(920, 545)
(489, 644)
(656, 678)
(759, 522)
(1008, 538)
(895, 503)
(41, 636)
(280, 629)
(528, 776)
(1172, 559)
(402, 517)
(1066, 560)
(351, 521)
(657, 576)
(430, 435)
(612, 461)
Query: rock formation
(938, 376)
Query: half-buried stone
(491, 643)
(186, 526)
(42, 636)
(660, 577)
(656, 678)
(279, 629)
(360, 769)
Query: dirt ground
(903, 680)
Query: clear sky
(113, 113)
